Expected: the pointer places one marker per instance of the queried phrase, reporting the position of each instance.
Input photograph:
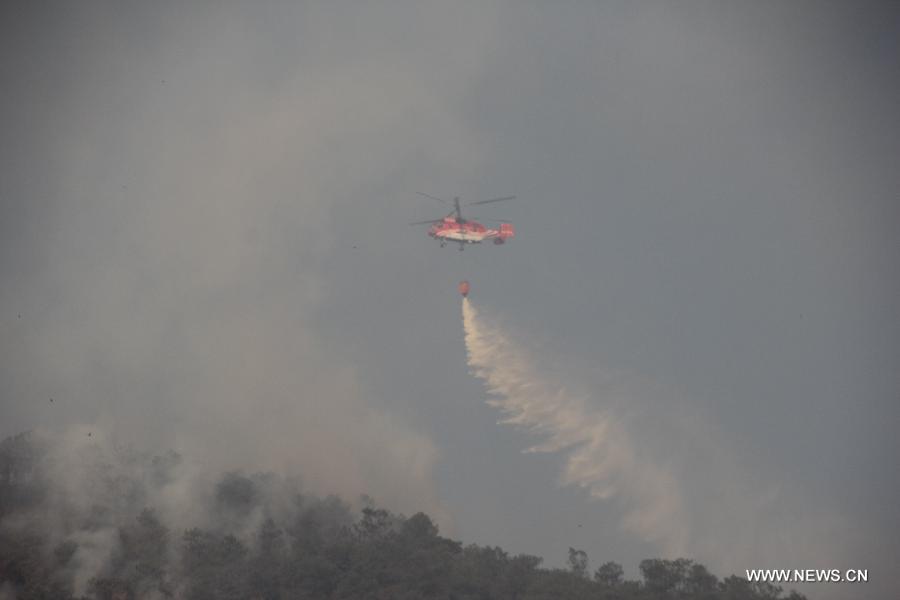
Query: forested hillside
(84, 523)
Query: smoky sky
(203, 244)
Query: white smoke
(82, 493)
(679, 488)
(177, 297)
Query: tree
(609, 574)
(376, 524)
(110, 588)
(700, 583)
(578, 562)
(318, 522)
(419, 530)
(236, 493)
(664, 577)
(263, 546)
(143, 558)
(214, 566)
(268, 564)
(519, 575)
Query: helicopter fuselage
(459, 230)
(469, 232)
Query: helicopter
(455, 228)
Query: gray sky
(203, 227)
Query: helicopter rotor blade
(433, 197)
(491, 200)
(427, 222)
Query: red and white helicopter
(454, 228)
